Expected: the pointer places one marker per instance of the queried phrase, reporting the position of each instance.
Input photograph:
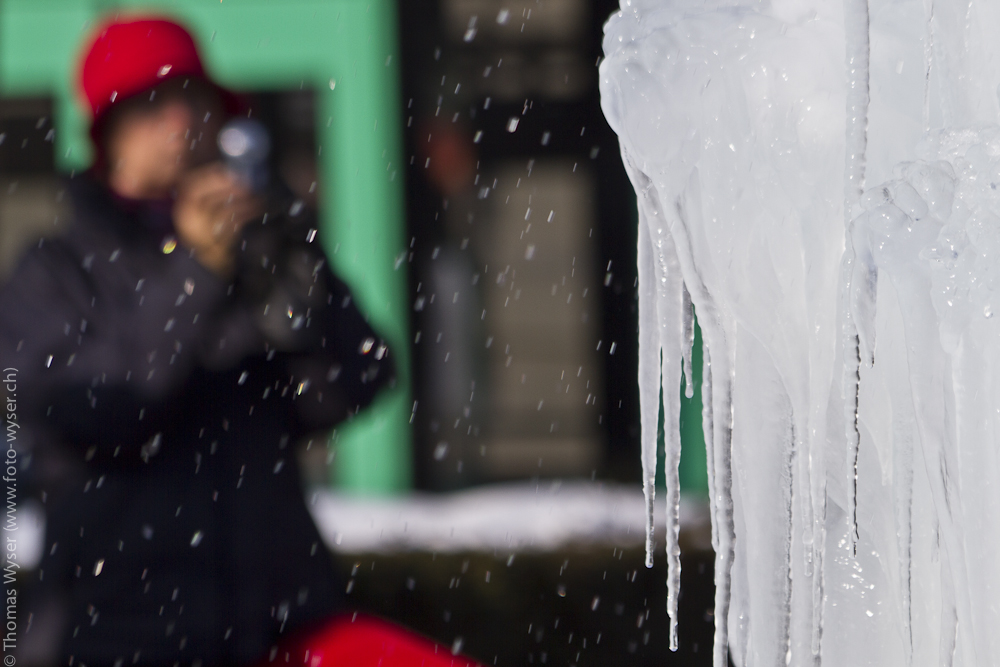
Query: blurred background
(473, 196)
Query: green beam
(345, 50)
(693, 466)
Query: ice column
(836, 319)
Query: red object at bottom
(364, 641)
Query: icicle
(819, 581)
(687, 341)
(852, 381)
(817, 481)
(688, 215)
(723, 451)
(793, 481)
(803, 492)
(719, 381)
(856, 26)
(904, 519)
(649, 372)
(670, 303)
(707, 429)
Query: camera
(245, 146)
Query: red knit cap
(130, 57)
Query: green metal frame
(346, 50)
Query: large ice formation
(852, 397)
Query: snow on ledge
(513, 517)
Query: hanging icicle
(856, 27)
(649, 373)
(670, 306)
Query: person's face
(150, 143)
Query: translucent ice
(850, 407)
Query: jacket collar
(135, 220)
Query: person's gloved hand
(211, 208)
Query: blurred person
(176, 343)
(450, 156)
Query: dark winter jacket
(187, 539)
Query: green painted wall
(693, 467)
(346, 50)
